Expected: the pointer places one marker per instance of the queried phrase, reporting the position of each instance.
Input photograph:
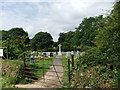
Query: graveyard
(37, 65)
(87, 57)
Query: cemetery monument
(59, 53)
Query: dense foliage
(66, 40)
(104, 57)
(42, 41)
(82, 38)
(16, 40)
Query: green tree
(17, 42)
(16, 32)
(4, 34)
(86, 31)
(106, 53)
(61, 37)
(66, 40)
(42, 41)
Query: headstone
(51, 54)
(82, 53)
(72, 53)
(67, 54)
(32, 58)
(1, 52)
(77, 54)
(45, 54)
(59, 53)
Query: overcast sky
(52, 16)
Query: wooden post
(24, 62)
(24, 59)
(7, 52)
(72, 61)
(69, 75)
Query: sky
(52, 16)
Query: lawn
(38, 69)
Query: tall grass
(11, 74)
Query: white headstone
(1, 52)
(82, 53)
(67, 54)
(77, 54)
(72, 52)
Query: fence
(49, 72)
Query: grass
(47, 62)
(42, 66)
(39, 73)
(11, 69)
(66, 74)
(66, 82)
(11, 72)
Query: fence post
(72, 61)
(69, 74)
(24, 62)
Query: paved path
(49, 81)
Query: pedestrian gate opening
(50, 72)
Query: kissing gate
(49, 72)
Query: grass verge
(11, 72)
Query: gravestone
(45, 54)
(1, 52)
(72, 53)
(67, 54)
(51, 54)
(32, 58)
(77, 54)
(82, 53)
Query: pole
(24, 62)
(69, 75)
(72, 61)
(7, 52)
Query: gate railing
(43, 70)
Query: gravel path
(49, 81)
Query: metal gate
(48, 72)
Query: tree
(17, 42)
(61, 37)
(16, 32)
(4, 34)
(106, 53)
(42, 41)
(66, 40)
(87, 30)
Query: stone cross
(59, 53)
